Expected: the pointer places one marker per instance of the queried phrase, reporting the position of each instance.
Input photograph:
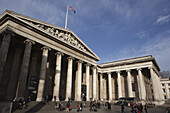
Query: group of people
(94, 106)
(139, 108)
(22, 104)
(58, 106)
(81, 106)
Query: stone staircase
(34, 106)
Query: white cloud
(141, 35)
(158, 47)
(163, 19)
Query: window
(163, 84)
(133, 86)
(165, 97)
(164, 90)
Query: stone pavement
(115, 109)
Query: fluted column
(154, 84)
(42, 74)
(94, 83)
(142, 86)
(21, 88)
(69, 78)
(119, 85)
(57, 75)
(79, 79)
(167, 90)
(101, 86)
(4, 51)
(87, 82)
(129, 81)
(110, 86)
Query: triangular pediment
(61, 34)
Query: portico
(55, 62)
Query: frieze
(64, 36)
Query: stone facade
(38, 59)
(165, 83)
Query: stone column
(79, 79)
(119, 84)
(87, 82)
(21, 88)
(57, 75)
(167, 90)
(94, 83)
(4, 51)
(101, 86)
(129, 81)
(142, 86)
(42, 74)
(69, 78)
(154, 84)
(110, 86)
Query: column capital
(59, 53)
(29, 41)
(87, 64)
(46, 48)
(109, 73)
(79, 61)
(128, 70)
(101, 74)
(117, 71)
(94, 67)
(8, 31)
(139, 69)
(151, 67)
(70, 57)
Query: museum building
(38, 59)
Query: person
(91, 104)
(54, 98)
(84, 105)
(20, 104)
(81, 107)
(78, 107)
(122, 108)
(67, 107)
(109, 106)
(59, 108)
(146, 107)
(46, 99)
(24, 104)
(167, 110)
(56, 105)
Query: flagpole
(66, 17)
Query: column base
(78, 99)
(57, 99)
(39, 99)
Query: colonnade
(21, 85)
(140, 84)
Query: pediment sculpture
(61, 35)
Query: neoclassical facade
(165, 83)
(38, 59)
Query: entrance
(32, 88)
(83, 93)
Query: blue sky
(113, 29)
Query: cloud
(163, 19)
(140, 35)
(158, 46)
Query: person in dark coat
(146, 107)
(122, 108)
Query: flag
(72, 9)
